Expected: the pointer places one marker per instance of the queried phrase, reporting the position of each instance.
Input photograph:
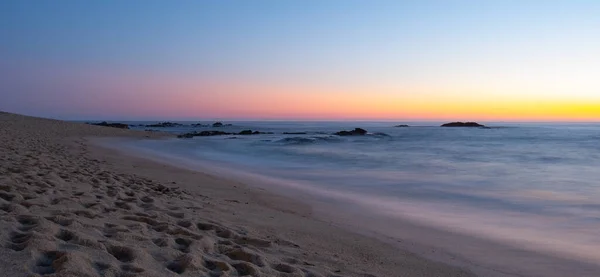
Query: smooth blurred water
(526, 182)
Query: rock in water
(355, 132)
(114, 125)
(164, 125)
(462, 124)
(204, 134)
(250, 132)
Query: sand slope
(69, 208)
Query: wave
(381, 135)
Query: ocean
(529, 184)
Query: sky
(302, 60)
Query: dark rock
(220, 133)
(188, 135)
(220, 124)
(164, 125)
(114, 125)
(355, 132)
(200, 125)
(294, 133)
(343, 133)
(213, 133)
(402, 126)
(204, 134)
(463, 124)
(250, 132)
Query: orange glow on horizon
(174, 97)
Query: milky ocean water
(524, 183)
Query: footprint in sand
(184, 223)
(6, 188)
(131, 269)
(18, 241)
(122, 253)
(65, 235)
(86, 213)
(147, 199)
(111, 230)
(246, 255)
(27, 222)
(160, 242)
(46, 262)
(285, 268)
(101, 267)
(183, 263)
(6, 208)
(61, 220)
(221, 232)
(123, 205)
(183, 244)
(215, 265)
(245, 269)
(8, 196)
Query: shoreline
(70, 208)
(483, 256)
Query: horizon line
(255, 119)
(330, 120)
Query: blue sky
(398, 49)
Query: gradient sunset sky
(372, 60)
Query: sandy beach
(71, 208)
(299, 138)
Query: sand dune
(69, 208)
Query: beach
(71, 208)
(299, 138)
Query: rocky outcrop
(250, 132)
(200, 125)
(220, 133)
(463, 124)
(294, 133)
(220, 124)
(113, 125)
(355, 132)
(204, 134)
(402, 126)
(164, 125)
